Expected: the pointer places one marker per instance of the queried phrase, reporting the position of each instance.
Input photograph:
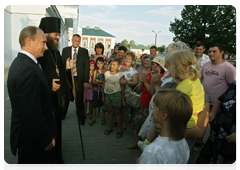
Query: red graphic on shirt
(211, 72)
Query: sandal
(108, 131)
(103, 122)
(132, 146)
(119, 135)
(92, 122)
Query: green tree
(161, 49)
(150, 45)
(208, 24)
(124, 43)
(132, 43)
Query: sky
(132, 22)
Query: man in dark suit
(33, 127)
(80, 62)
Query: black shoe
(60, 165)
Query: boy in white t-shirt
(172, 109)
(114, 94)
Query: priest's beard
(51, 44)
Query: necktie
(74, 66)
(39, 65)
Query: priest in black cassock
(55, 72)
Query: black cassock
(48, 63)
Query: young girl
(98, 77)
(183, 68)
(88, 93)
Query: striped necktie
(39, 65)
(75, 59)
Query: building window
(108, 44)
(84, 43)
(92, 43)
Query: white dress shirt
(202, 60)
(29, 55)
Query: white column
(104, 41)
(112, 43)
(75, 26)
(88, 42)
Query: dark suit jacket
(82, 63)
(32, 123)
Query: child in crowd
(88, 93)
(114, 91)
(172, 109)
(183, 68)
(98, 77)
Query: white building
(139, 50)
(91, 36)
(17, 17)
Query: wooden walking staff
(79, 127)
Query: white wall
(28, 9)
(7, 39)
(17, 17)
(18, 22)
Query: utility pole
(156, 36)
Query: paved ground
(98, 148)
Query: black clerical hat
(50, 24)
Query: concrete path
(98, 148)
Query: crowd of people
(180, 93)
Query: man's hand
(86, 85)
(68, 64)
(71, 64)
(231, 138)
(55, 86)
(51, 145)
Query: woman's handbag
(133, 99)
